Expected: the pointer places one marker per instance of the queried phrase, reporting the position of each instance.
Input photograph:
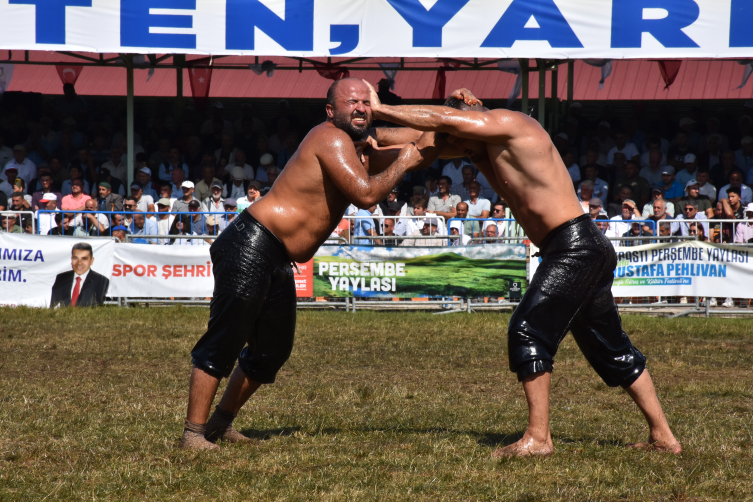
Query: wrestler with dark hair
(253, 309)
(572, 286)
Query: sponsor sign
(464, 271)
(31, 264)
(562, 29)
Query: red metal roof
(630, 80)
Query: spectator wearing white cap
(744, 156)
(744, 231)
(236, 187)
(25, 168)
(144, 176)
(689, 172)
(266, 161)
(657, 193)
(736, 181)
(456, 230)
(673, 191)
(692, 193)
(215, 202)
(181, 205)
(621, 145)
(46, 221)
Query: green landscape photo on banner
(464, 271)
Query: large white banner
(32, 264)
(690, 268)
(143, 271)
(607, 29)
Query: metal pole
(542, 92)
(179, 59)
(524, 96)
(130, 155)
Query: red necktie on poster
(68, 74)
(76, 291)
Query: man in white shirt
(236, 188)
(240, 161)
(657, 194)
(443, 204)
(144, 203)
(478, 207)
(214, 203)
(91, 223)
(253, 193)
(164, 221)
(689, 212)
(621, 145)
(409, 226)
(622, 223)
(704, 187)
(687, 174)
(454, 170)
(736, 180)
(46, 221)
(166, 193)
(600, 186)
(117, 167)
(27, 170)
(460, 238)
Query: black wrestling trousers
(572, 290)
(253, 309)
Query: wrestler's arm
(342, 163)
(401, 136)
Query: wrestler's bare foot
(527, 446)
(195, 441)
(670, 446)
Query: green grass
(371, 406)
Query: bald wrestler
(253, 308)
(572, 286)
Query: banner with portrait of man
(37, 269)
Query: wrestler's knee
(526, 352)
(263, 367)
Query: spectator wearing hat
(266, 161)
(46, 221)
(238, 185)
(704, 187)
(720, 172)
(456, 230)
(231, 210)
(76, 200)
(109, 201)
(9, 224)
(657, 193)
(600, 188)
(144, 176)
(689, 171)
(119, 232)
(621, 145)
(744, 231)
(215, 202)
(141, 225)
(239, 160)
(678, 151)
(144, 203)
(736, 181)
(595, 208)
(744, 156)
(25, 168)
(692, 193)
(673, 191)
(164, 219)
(391, 197)
(115, 184)
(182, 205)
(253, 193)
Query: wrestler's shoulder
(326, 131)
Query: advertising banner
(464, 271)
(143, 271)
(562, 29)
(690, 268)
(36, 268)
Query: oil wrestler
(571, 289)
(253, 308)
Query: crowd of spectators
(641, 177)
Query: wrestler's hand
(411, 156)
(374, 100)
(466, 96)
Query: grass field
(371, 406)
